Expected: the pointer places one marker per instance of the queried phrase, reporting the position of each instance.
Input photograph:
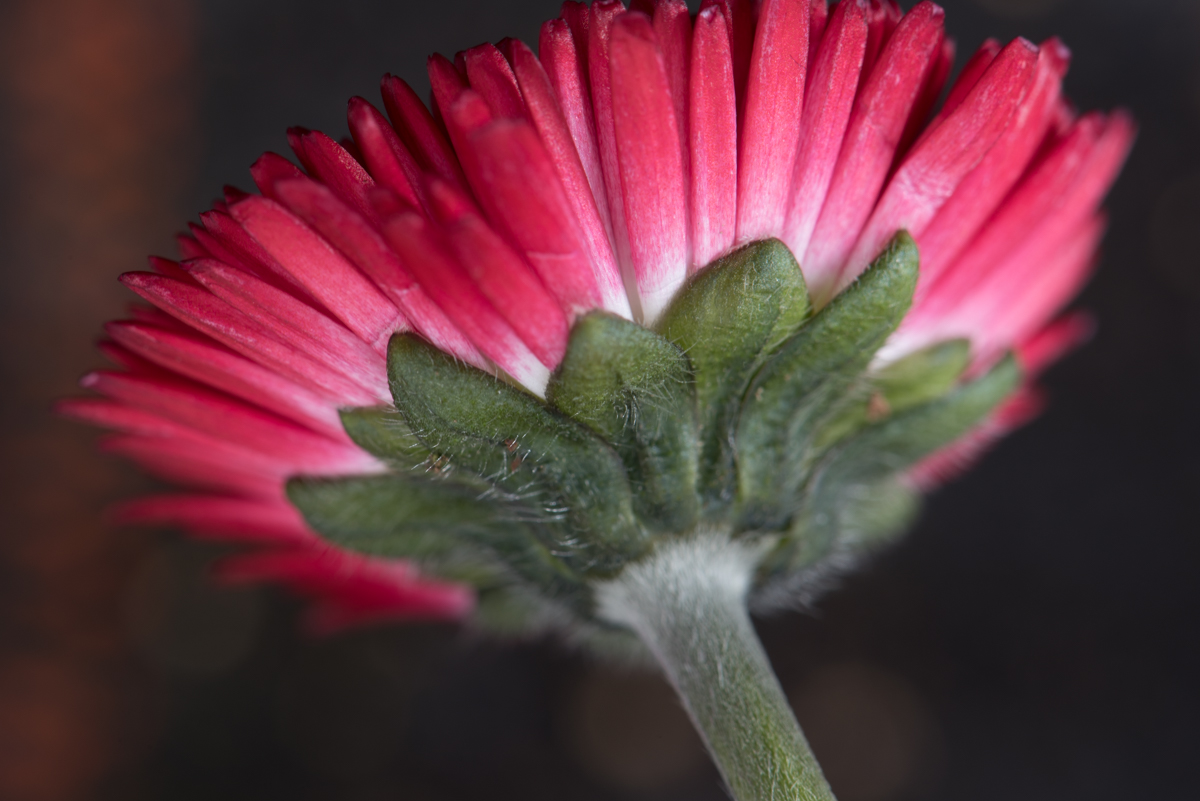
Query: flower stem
(687, 603)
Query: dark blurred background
(1035, 638)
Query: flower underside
(742, 413)
(643, 285)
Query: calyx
(743, 412)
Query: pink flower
(633, 150)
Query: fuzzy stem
(687, 603)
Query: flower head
(599, 225)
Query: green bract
(743, 414)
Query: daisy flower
(664, 322)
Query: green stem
(687, 603)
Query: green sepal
(910, 381)
(924, 375)
(843, 505)
(728, 320)
(382, 432)
(529, 451)
(449, 530)
(812, 377)
(634, 389)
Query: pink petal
(296, 324)
(230, 243)
(320, 269)
(578, 19)
(739, 24)
(271, 168)
(243, 334)
(986, 186)
(828, 100)
(419, 131)
(673, 32)
(221, 518)
(1053, 341)
(429, 257)
(169, 268)
(918, 120)
(223, 418)
(332, 165)
(514, 179)
(492, 77)
(387, 158)
(876, 124)
(818, 18)
(557, 138)
(653, 187)
(771, 128)
(971, 72)
(883, 16)
(224, 370)
(505, 278)
(448, 85)
(350, 589)
(365, 246)
(938, 163)
(203, 462)
(1058, 195)
(189, 248)
(713, 139)
(600, 25)
(567, 74)
(1031, 290)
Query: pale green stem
(687, 603)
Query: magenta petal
(713, 130)
(1053, 341)
(390, 163)
(880, 112)
(828, 100)
(739, 24)
(203, 462)
(971, 72)
(365, 246)
(558, 140)
(332, 165)
(982, 191)
(323, 271)
(938, 163)
(771, 128)
(653, 187)
(419, 131)
(492, 77)
(243, 334)
(566, 72)
(429, 257)
(519, 188)
(883, 17)
(599, 58)
(224, 418)
(272, 167)
(297, 324)
(351, 590)
(918, 120)
(221, 518)
(224, 370)
(673, 32)
(190, 248)
(818, 18)
(505, 278)
(1057, 196)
